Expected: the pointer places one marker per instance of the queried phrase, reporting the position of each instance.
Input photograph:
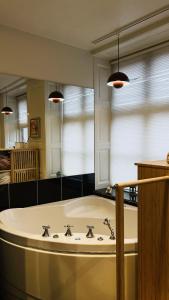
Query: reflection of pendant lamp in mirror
(6, 110)
(56, 97)
(118, 79)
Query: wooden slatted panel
(153, 226)
(24, 165)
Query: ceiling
(7, 80)
(12, 85)
(74, 22)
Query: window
(140, 115)
(78, 130)
(22, 118)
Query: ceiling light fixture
(6, 110)
(118, 79)
(56, 97)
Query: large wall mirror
(41, 139)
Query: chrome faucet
(68, 231)
(107, 222)
(90, 232)
(109, 190)
(46, 230)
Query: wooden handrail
(120, 278)
(141, 181)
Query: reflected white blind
(78, 130)
(22, 110)
(140, 115)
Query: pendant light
(118, 79)
(56, 97)
(6, 110)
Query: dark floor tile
(23, 194)
(72, 187)
(4, 201)
(88, 184)
(49, 190)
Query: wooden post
(120, 282)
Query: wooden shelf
(24, 164)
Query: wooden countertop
(155, 163)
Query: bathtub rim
(30, 240)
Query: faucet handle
(45, 226)
(68, 226)
(90, 226)
(68, 231)
(46, 230)
(90, 232)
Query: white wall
(36, 108)
(35, 57)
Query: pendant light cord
(6, 98)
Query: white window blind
(22, 118)
(140, 115)
(22, 110)
(78, 130)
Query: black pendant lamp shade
(56, 97)
(6, 111)
(118, 79)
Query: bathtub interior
(79, 212)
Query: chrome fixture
(107, 222)
(100, 238)
(109, 190)
(118, 79)
(56, 97)
(55, 236)
(90, 231)
(46, 230)
(132, 194)
(68, 231)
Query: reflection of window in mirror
(70, 132)
(78, 130)
(22, 120)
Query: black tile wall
(88, 184)
(23, 194)
(49, 190)
(72, 187)
(45, 191)
(4, 201)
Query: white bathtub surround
(65, 268)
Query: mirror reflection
(42, 139)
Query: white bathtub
(65, 268)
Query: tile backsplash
(47, 190)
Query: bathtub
(65, 267)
